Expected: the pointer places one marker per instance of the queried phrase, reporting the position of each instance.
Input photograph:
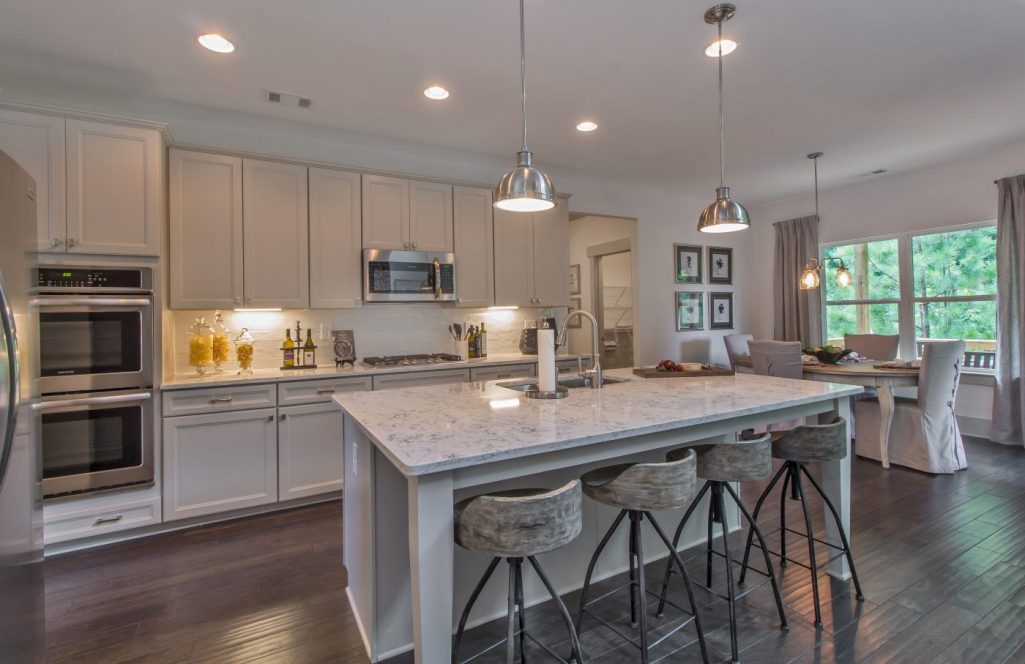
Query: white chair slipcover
(879, 347)
(736, 344)
(781, 359)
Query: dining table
(866, 374)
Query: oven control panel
(113, 278)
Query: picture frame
(687, 263)
(720, 306)
(720, 265)
(577, 321)
(690, 311)
(574, 279)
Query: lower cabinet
(309, 450)
(219, 462)
(524, 370)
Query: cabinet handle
(505, 375)
(249, 300)
(113, 519)
(225, 399)
(326, 390)
(270, 418)
(282, 417)
(56, 242)
(237, 300)
(414, 245)
(72, 242)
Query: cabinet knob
(56, 242)
(72, 242)
(414, 245)
(282, 417)
(249, 300)
(237, 300)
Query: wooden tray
(651, 372)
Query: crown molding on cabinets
(73, 114)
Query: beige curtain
(797, 313)
(1008, 398)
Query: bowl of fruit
(828, 354)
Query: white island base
(411, 454)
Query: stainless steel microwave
(408, 276)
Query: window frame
(907, 301)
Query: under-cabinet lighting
(245, 311)
(503, 307)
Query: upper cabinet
(99, 187)
(206, 230)
(276, 235)
(114, 198)
(406, 214)
(336, 252)
(474, 244)
(532, 258)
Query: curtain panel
(797, 313)
(1008, 397)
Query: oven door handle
(92, 401)
(92, 301)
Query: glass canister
(244, 352)
(221, 345)
(201, 343)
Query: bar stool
(718, 465)
(637, 490)
(803, 445)
(516, 525)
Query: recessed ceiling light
(587, 125)
(436, 92)
(216, 43)
(728, 46)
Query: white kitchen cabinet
(36, 142)
(532, 258)
(523, 370)
(276, 235)
(297, 392)
(406, 215)
(206, 230)
(474, 246)
(420, 378)
(310, 456)
(219, 462)
(114, 189)
(336, 246)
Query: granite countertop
(429, 429)
(228, 378)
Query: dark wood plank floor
(942, 561)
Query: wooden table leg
(885, 395)
(431, 551)
(836, 482)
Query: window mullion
(906, 308)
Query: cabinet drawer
(317, 391)
(421, 378)
(566, 366)
(523, 370)
(87, 524)
(216, 400)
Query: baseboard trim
(979, 427)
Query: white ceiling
(873, 84)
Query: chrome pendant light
(810, 276)
(524, 188)
(725, 215)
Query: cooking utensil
(457, 331)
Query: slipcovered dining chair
(923, 433)
(736, 344)
(781, 359)
(880, 347)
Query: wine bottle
(471, 343)
(288, 351)
(309, 351)
(298, 345)
(483, 350)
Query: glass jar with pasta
(201, 343)
(244, 352)
(221, 346)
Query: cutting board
(652, 372)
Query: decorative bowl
(828, 355)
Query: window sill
(978, 377)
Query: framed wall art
(576, 321)
(574, 279)
(688, 263)
(721, 305)
(689, 311)
(720, 265)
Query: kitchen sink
(526, 386)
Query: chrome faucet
(593, 376)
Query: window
(925, 287)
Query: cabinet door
(219, 462)
(551, 257)
(385, 212)
(115, 189)
(430, 216)
(206, 230)
(336, 247)
(309, 450)
(504, 371)
(474, 243)
(514, 281)
(275, 226)
(420, 378)
(36, 142)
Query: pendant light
(810, 275)
(524, 188)
(725, 215)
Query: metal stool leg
(720, 503)
(788, 480)
(469, 605)
(811, 550)
(590, 566)
(638, 547)
(754, 519)
(510, 643)
(633, 570)
(522, 607)
(576, 655)
(676, 543)
(843, 534)
(708, 540)
(756, 531)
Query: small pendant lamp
(810, 275)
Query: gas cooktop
(410, 360)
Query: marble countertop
(228, 378)
(429, 429)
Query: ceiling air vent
(287, 99)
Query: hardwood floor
(941, 559)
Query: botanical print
(689, 311)
(688, 264)
(576, 321)
(720, 265)
(722, 310)
(574, 279)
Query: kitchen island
(411, 453)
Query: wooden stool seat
(643, 487)
(812, 443)
(519, 522)
(742, 461)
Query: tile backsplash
(379, 329)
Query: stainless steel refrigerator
(22, 637)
